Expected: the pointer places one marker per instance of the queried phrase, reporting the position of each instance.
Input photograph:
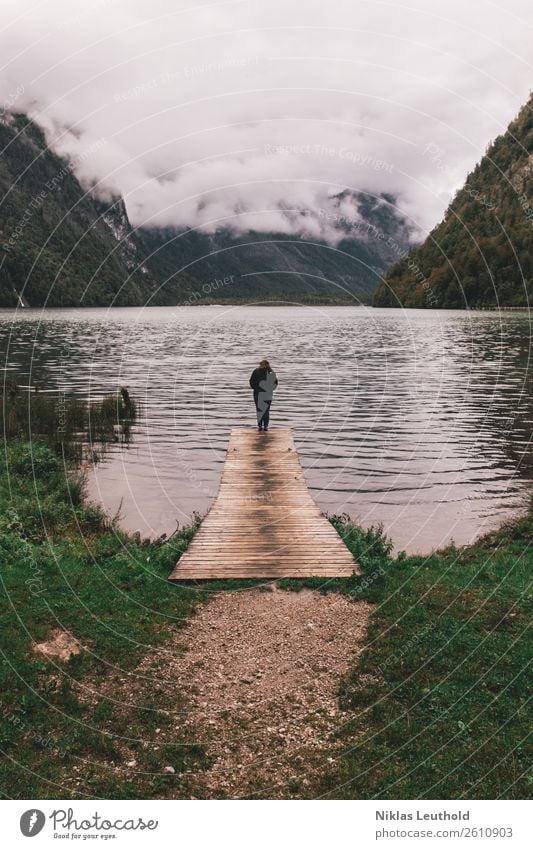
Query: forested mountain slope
(62, 246)
(256, 266)
(481, 253)
(58, 245)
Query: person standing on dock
(263, 382)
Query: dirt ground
(60, 645)
(251, 681)
(259, 672)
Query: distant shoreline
(266, 303)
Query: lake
(417, 419)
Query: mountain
(60, 245)
(480, 254)
(257, 266)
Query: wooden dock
(264, 522)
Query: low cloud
(253, 115)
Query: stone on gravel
(295, 648)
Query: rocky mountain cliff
(480, 254)
(257, 266)
(58, 245)
(61, 246)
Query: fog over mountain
(253, 116)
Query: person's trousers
(262, 407)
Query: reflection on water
(418, 419)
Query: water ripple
(417, 419)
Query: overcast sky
(230, 113)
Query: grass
(64, 565)
(435, 708)
(68, 425)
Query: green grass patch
(63, 565)
(68, 425)
(437, 707)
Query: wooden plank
(264, 522)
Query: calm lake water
(418, 419)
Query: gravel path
(259, 673)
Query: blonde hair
(264, 364)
